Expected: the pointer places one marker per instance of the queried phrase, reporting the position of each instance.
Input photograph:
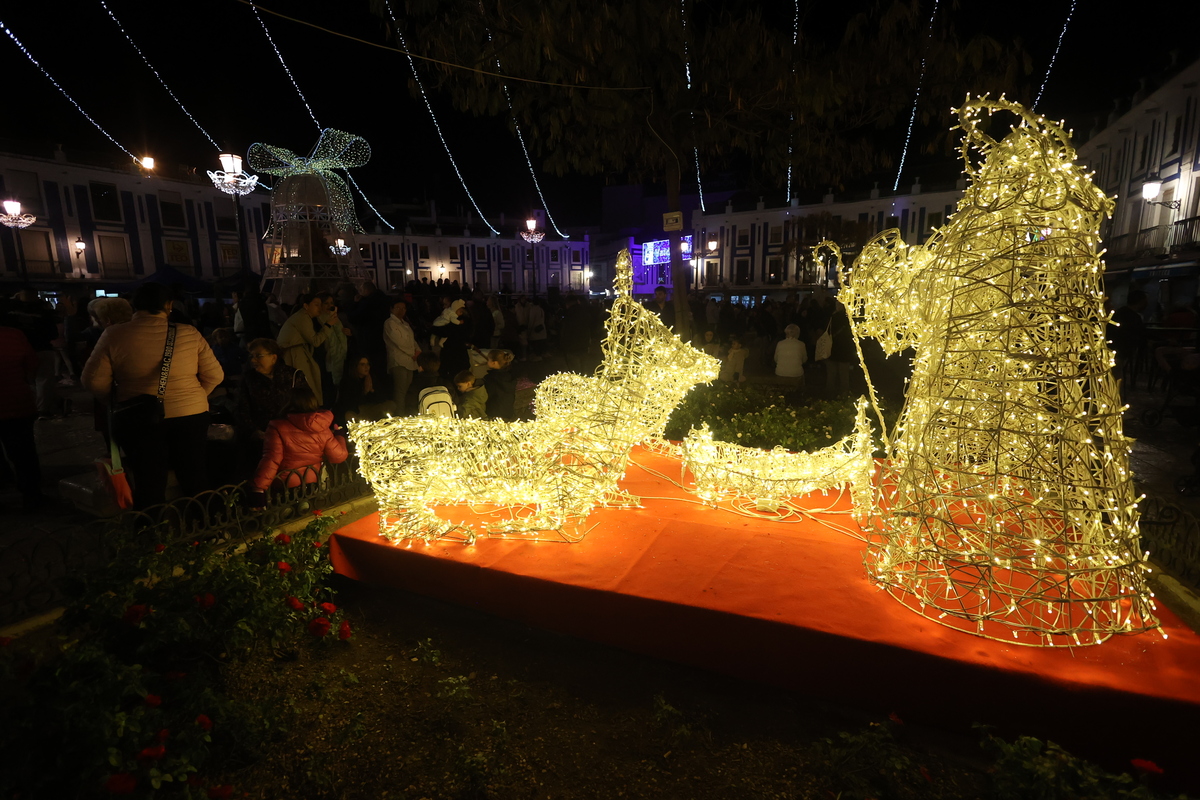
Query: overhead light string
(308, 107)
(63, 91)
(524, 149)
(429, 107)
(1053, 58)
(917, 98)
(687, 71)
(150, 66)
(792, 116)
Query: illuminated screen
(660, 252)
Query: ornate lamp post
(235, 182)
(13, 218)
(340, 248)
(1150, 191)
(532, 235)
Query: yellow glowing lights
(1005, 507)
(540, 478)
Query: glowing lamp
(148, 162)
(712, 245)
(531, 223)
(230, 162)
(1151, 189)
(80, 246)
(12, 207)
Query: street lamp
(1150, 191)
(80, 246)
(532, 235)
(339, 249)
(231, 179)
(13, 218)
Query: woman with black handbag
(159, 376)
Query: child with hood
(301, 442)
(501, 385)
(472, 398)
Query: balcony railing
(1177, 237)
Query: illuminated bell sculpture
(537, 479)
(1006, 507)
(312, 207)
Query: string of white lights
(916, 99)
(146, 61)
(1053, 58)
(792, 116)
(63, 91)
(304, 100)
(687, 71)
(421, 87)
(521, 138)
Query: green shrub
(134, 698)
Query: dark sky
(217, 60)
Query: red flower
(283, 538)
(196, 544)
(153, 700)
(328, 608)
(317, 512)
(317, 543)
(163, 735)
(344, 630)
(204, 722)
(319, 626)
(152, 753)
(925, 774)
(223, 792)
(121, 783)
(175, 675)
(894, 717)
(136, 613)
(284, 566)
(158, 548)
(294, 603)
(1146, 767)
(205, 600)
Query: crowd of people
(277, 383)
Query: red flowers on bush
(223, 792)
(328, 608)
(136, 613)
(284, 566)
(317, 512)
(163, 735)
(175, 675)
(204, 722)
(205, 600)
(319, 626)
(1146, 767)
(158, 548)
(283, 538)
(152, 753)
(121, 783)
(894, 717)
(344, 630)
(294, 603)
(317, 543)
(153, 700)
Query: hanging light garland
(8, 32)
(792, 116)
(429, 107)
(912, 119)
(1006, 505)
(687, 71)
(1061, 35)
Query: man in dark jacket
(18, 366)
(35, 318)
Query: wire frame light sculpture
(1006, 505)
(311, 204)
(536, 479)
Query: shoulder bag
(823, 348)
(146, 410)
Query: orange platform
(790, 604)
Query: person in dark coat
(501, 385)
(263, 395)
(18, 366)
(575, 333)
(252, 307)
(843, 355)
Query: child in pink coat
(299, 444)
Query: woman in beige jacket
(127, 362)
(298, 338)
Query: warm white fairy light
(1006, 505)
(429, 107)
(1061, 35)
(63, 91)
(792, 116)
(537, 479)
(916, 98)
(772, 477)
(334, 150)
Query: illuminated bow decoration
(334, 150)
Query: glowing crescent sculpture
(1006, 505)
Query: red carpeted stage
(790, 604)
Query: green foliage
(1030, 769)
(457, 687)
(761, 416)
(872, 763)
(135, 698)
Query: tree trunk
(680, 274)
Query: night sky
(217, 60)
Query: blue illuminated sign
(659, 252)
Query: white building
(105, 225)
